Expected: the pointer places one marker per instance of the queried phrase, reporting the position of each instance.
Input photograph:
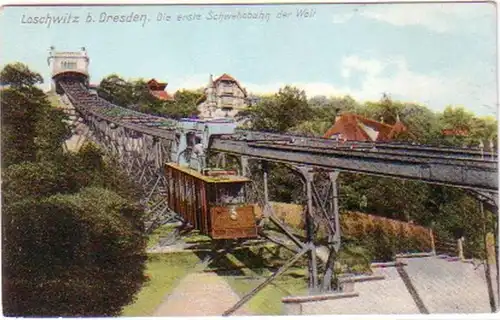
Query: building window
(227, 101)
(68, 65)
(227, 88)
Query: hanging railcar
(213, 202)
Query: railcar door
(230, 215)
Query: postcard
(249, 159)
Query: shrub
(72, 255)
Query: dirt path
(200, 294)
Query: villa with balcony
(224, 97)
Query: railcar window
(190, 139)
(229, 194)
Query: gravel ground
(200, 294)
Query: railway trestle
(142, 154)
(141, 157)
(142, 144)
(321, 213)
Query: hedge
(382, 236)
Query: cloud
(436, 90)
(311, 89)
(188, 82)
(444, 17)
(375, 81)
(355, 63)
(392, 76)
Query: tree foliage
(280, 112)
(135, 95)
(450, 211)
(184, 104)
(72, 235)
(30, 125)
(18, 75)
(78, 254)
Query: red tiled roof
(156, 86)
(157, 89)
(227, 77)
(351, 127)
(162, 95)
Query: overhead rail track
(463, 173)
(144, 143)
(458, 167)
(414, 149)
(89, 104)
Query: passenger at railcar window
(231, 194)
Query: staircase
(412, 284)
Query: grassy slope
(248, 268)
(251, 265)
(165, 270)
(267, 301)
(253, 272)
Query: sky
(428, 53)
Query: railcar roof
(219, 179)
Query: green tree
(117, 90)
(72, 246)
(31, 126)
(37, 180)
(313, 128)
(385, 110)
(72, 255)
(184, 104)
(456, 118)
(422, 123)
(483, 130)
(135, 95)
(280, 112)
(326, 109)
(18, 75)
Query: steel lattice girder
(450, 166)
(89, 105)
(141, 159)
(381, 147)
(471, 174)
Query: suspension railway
(173, 163)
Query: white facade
(224, 98)
(62, 62)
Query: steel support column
(310, 230)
